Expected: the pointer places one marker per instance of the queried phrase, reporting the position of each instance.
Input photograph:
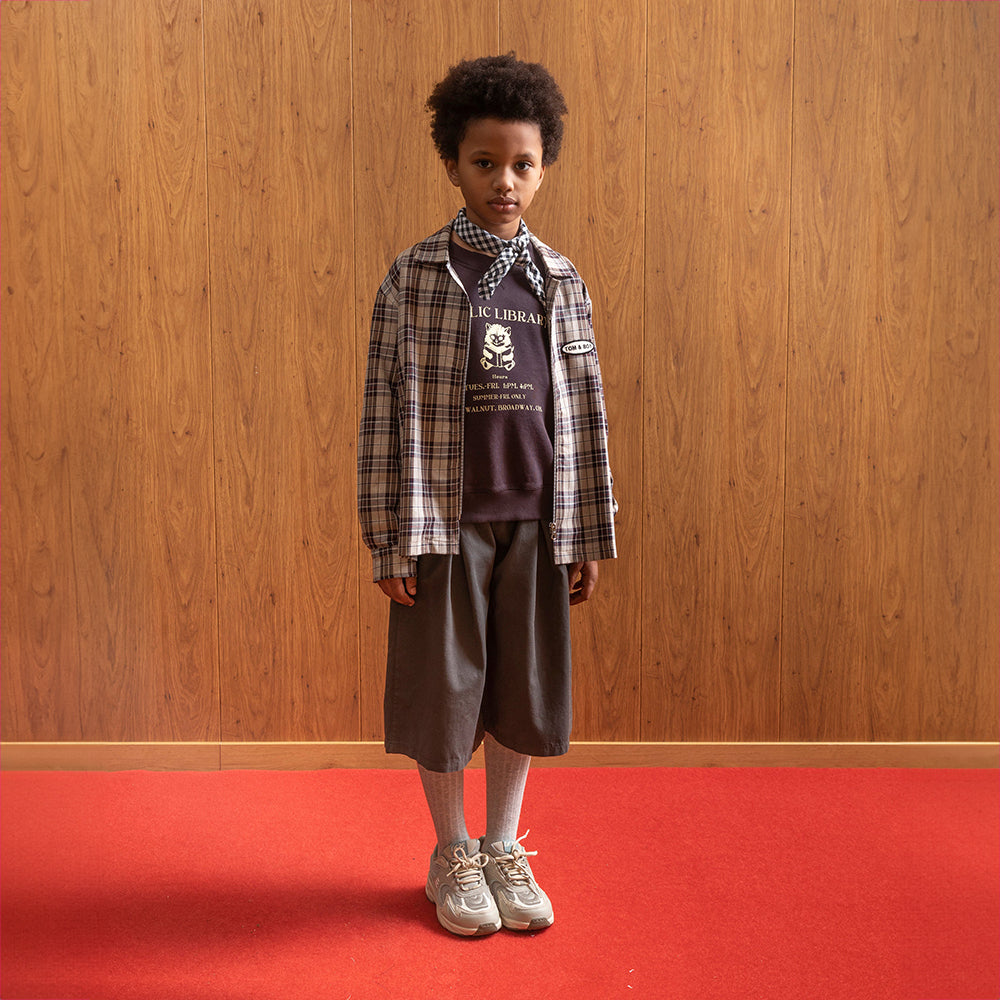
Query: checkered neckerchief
(508, 253)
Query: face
(499, 169)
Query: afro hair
(499, 87)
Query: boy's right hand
(402, 591)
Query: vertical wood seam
(640, 701)
(788, 350)
(212, 383)
(356, 534)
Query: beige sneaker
(456, 886)
(522, 905)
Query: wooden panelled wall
(787, 215)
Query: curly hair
(499, 87)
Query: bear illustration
(498, 348)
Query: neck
(455, 238)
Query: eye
(483, 164)
(525, 165)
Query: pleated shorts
(484, 649)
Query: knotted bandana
(508, 253)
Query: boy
(484, 490)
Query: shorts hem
(447, 767)
(457, 763)
(552, 748)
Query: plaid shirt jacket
(410, 448)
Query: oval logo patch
(578, 347)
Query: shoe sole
(538, 924)
(481, 931)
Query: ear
(451, 169)
(541, 175)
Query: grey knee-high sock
(506, 776)
(445, 793)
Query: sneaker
(522, 905)
(455, 884)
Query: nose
(503, 182)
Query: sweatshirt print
(507, 461)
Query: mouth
(503, 204)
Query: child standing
(484, 490)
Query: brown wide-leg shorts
(485, 648)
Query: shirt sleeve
(379, 474)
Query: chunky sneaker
(455, 884)
(522, 905)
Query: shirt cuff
(387, 563)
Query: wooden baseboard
(316, 756)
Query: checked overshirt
(410, 455)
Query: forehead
(486, 135)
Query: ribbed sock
(506, 776)
(445, 793)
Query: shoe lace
(466, 870)
(510, 864)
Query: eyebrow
(487, 152)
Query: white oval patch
(578, 347)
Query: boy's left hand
(582, 581)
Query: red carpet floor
(704, 884)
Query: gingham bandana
(508, 253)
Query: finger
(583, 589)
(401, 595)
(395, 589)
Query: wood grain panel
(41, 656)
(137, 438)
(137, 323)
(279, 99)
(840, 382)
(719, 85)
(958, 687)
(591, 209)
(864, 289)
(401, 50)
